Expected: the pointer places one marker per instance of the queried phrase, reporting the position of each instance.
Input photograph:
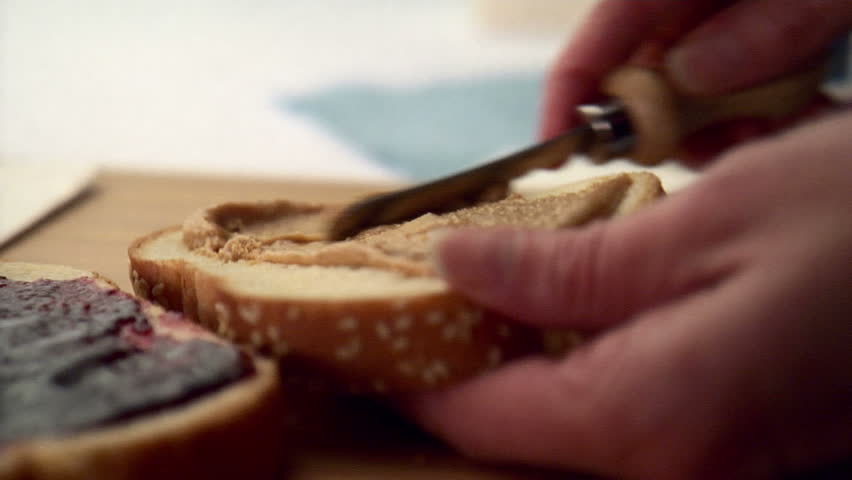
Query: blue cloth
(429, 131)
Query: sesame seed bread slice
(368, 314)
(191, 439)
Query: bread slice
(369, 313)
(224, 429)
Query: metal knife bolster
(613, 132)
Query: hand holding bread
(705, 48)
(720, 321)
(367, 315)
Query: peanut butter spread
(293, 233)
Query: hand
(723, 320)
(705, 46)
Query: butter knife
(643, 119)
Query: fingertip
(436, 257)
(465, 258)
(445, 250)
(747, 43)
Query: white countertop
(190, 86)
(195, 86)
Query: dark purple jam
(73, 355)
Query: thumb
(754, 41)
(648, 400)
(589, 277)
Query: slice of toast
(96, 384)
(368, 313)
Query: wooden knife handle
(662, 117)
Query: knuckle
(799, 25)
(794, 24)
(574, 274)
(588, 272)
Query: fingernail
(468, 260)
(705, 66)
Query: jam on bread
(75, 355)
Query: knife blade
(479, 184)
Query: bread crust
(361, 345)
(364, 345)
(190, 440)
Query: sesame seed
(469, 316)
(158, 289)
(434, 318)
(449, 332)
(557, 342)
(272, 332)
(348, 350)
(250, 312)
(494, 356)
(293, 313)
(383, 331)
(281, 348)
(314, 385)
(400, 303)
(380, 386)
(406, 368)
(440, 368)
(435, 371)
(347, 324)
(553, 342)
(504, 330)
(141, 288)
(399, 344)
(573, 339)
(465, 332)
(403, 322)
(222, 313)
(256, 338)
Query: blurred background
(321, 90)
(297, 88)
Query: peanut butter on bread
(368, 314)
(291, 233)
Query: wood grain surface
(328, 438)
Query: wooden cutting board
(333, 438)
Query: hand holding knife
(643, 119)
